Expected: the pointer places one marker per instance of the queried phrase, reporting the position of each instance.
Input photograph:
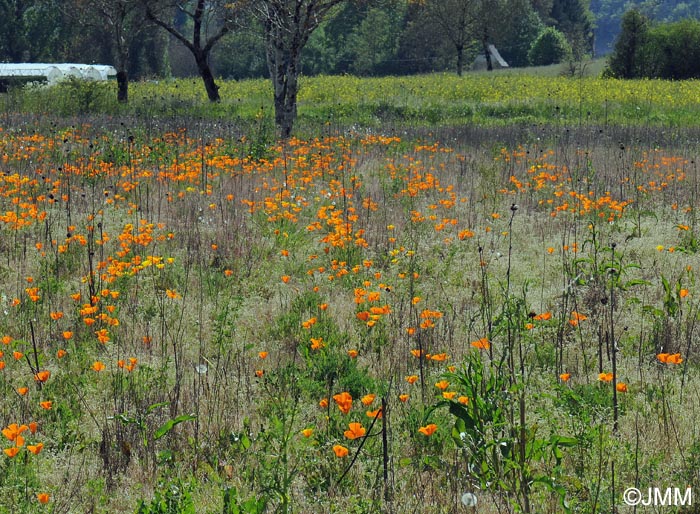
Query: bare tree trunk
(460, 60)
(487, 53)
(122, 87)
(205, 72)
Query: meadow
(445, 295)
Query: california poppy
(621, 387)
(340, 451)
(368, 399)
(42, 376)
(98, 366)
(35, 448)
(307, 432)
(428, 430)
(411, 379)
(442, 385)
(481, 344)
(403, 398)
(344, 401)
(564, 377)
(46, 404)
(355, 430)
(43, 497)
(605, 377)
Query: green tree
(522, 26)
(550, 47)
(575, 20)
(674, 50)
(627, 59)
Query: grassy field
(447, 295)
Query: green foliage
(627, 60)
(666, 51)
(550, 47)
(674, 50)
(234, 505)
(171, 498)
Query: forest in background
(382, 37)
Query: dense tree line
(365, 37)
(656, 50)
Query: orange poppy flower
(362, 316)
(403, 398)
(102, 335)
(448, 395)
(6, 340)
(98, 366)
(340, 451)
(352, 353)
(308, 323)
(33, 425)
(43, 497)
(428, 430)
(564, 377)
(35, 448)
(317, 343)
(17, 355)
(46, 404)
(605, 377)
(670, 358)
(323, 403)
(355, 431)
(60, 353)
(285, 278)
(411, 379)
(42, 376)
(307, 432)
(259, 373)
(416, 353)
(576, 317)
(2, 365)
(262, 355)
(11, 452)
(22, 391)
(13, 431)
(683, 293)
(368, 399)
(545, 316)
(67, 334)
(344, 401)
(621, 387)
(442, 385)
(377, 413)
(439, 357)
(172, 294)
(481, 344)
(56, 315)
(463, 400)
(323, 306)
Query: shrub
(550, 47)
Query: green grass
(502, 98)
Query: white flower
(469, 499)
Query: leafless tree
(210, 21)
(288, 25)
(122, 20)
